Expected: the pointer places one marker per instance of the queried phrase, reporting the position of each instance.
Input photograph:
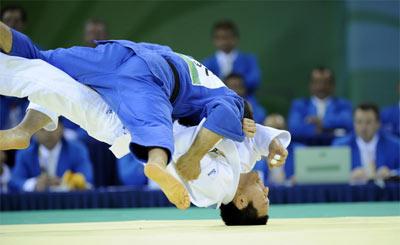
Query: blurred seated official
(282, 175)
(322, 113)
(52, 163)
(375, 155)
(236, 83)
(228, 59)
(390, 117)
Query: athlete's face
(252, 189)
(225, 40)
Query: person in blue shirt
(236, 83)
(42, 166)
(322, 113)
(228, 59)
(374, 154)
(147, 86)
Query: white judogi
(55, 93)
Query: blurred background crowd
(328, 72)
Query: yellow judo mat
(377, 230)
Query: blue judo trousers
(137, 81)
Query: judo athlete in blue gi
(148, 86)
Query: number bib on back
(200, 75)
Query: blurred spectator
(228, 59)
(322, 113)
(390, 118)
(236, 83)
(52, 163)
(94, 29)
(130, 171)
(14, 16)
(285, 174)
(5, 174)
(375, 155)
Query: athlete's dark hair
(231, 215)
(226, 25)
(13, 8)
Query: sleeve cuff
(264, 136)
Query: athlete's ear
(241, 201)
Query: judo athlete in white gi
(225, 181)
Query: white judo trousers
(55, 93)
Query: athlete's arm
(188, 165)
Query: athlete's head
(225, 35)
(250, 206)
(14, 17)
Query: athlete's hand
(277, 154)
(188, 167)
(249, 127)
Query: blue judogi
(137, 81)
(73, 156)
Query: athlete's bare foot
(14, 139)
(172, 188)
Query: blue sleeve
(82, 163)
(23, 46)
(253, 74)
(343, 117)
(19, 173)
(130, 171)
(224, 117)
(296, 120)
